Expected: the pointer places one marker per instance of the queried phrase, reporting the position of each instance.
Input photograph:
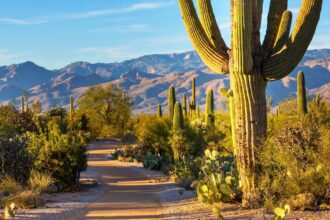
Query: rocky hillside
(147, 79)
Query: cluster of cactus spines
(269, 103)
(71, 108)
(192, 103)
(301, 94)
(251, 63)
(159, 111)
(171, 102)
(209, 109)
(178, 123)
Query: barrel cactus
(251, 63)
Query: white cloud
(7, 56)
(89, 14)
(123, 29)
(22, 21)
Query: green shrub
(40, 182)
(152, 161)
(13, 148)
(292, 165)
(9, 185)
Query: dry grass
(40, 182)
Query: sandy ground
(129, 191)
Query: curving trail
(127, 193)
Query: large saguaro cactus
(251, 63)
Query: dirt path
(128, 194)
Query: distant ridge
(146, 79)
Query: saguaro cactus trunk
(209, 109)
(251, 63)
(159, 111)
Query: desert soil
(128, 191)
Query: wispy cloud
(123, 29)
(7, 56)
(22, 21)
(88, 14)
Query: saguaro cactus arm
(210, 25)
(283, 32)
(276, 9)
(215, 59)
(281, 64)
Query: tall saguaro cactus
(301, 94)
(251, 63)
(209, 109)
(171, 102)
(178, 123)
(22, 104)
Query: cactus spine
(251, 63)
(159, 111)
(171, 102)
(301, 94)
(184, 106)
(192, 103)
(209, 109)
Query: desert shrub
(40, 182)
(152, 161)
(153, 133)
(15, 160)
(27, 199)
(60, 152)
(292, 167)
(186, 171)
(108, 107)
(9, 185)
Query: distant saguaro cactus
(192, 102)
(159, 111)
(269, 103)
(301, 94)
(171, 102)
(209, 109)
(184, 106)
(251, 63)
(22, 104)
(178, 123)
(71, 108)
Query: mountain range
(147, 79)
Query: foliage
(153, 133)
(152, 161)
(108, 107)
(292, 162)
(27, 199)
(40, 182)
(15, 160)
(281, 212)
(9, 185)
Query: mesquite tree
(251, 63)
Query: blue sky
(54, 33)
